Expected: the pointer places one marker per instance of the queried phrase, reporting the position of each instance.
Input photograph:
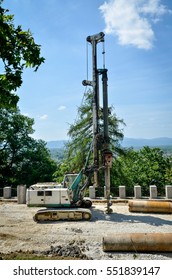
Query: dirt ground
(81, 239)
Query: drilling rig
(66, 201)
(105, 140)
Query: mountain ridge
(152, 142)
(127, 142)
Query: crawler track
(74, 214)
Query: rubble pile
(70, 250)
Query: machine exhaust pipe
(151, 206)
(138, 242)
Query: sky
(138, 56)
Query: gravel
(81, 239)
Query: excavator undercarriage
(74, 214)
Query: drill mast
(106, 153)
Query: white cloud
(61, 108)
(154, 8)
(43, 117)
(131, 21)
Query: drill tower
(106, 153)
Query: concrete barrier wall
(137, 192)
(21, 192)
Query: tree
(23, 160)
(81, 134)
(37, 165)
(146, 167)
(168, 174)
(18, 50)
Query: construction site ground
(21, 237)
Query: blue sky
(138, 48)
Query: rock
(69, 250)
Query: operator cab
(69, 179)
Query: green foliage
(18, 51)
(62, 168)
(145, 167)
(81, 134)
(23, 160)
(168, 171)
(57, 154)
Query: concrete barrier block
(7, 192)
(153, 191)
(92, 192)
(21, 194)
(122, 191)
(168, 191)
(137, 192)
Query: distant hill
(127, 142)
(155, 142)
(58, 144)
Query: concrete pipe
(138, 242)
(150, 206)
